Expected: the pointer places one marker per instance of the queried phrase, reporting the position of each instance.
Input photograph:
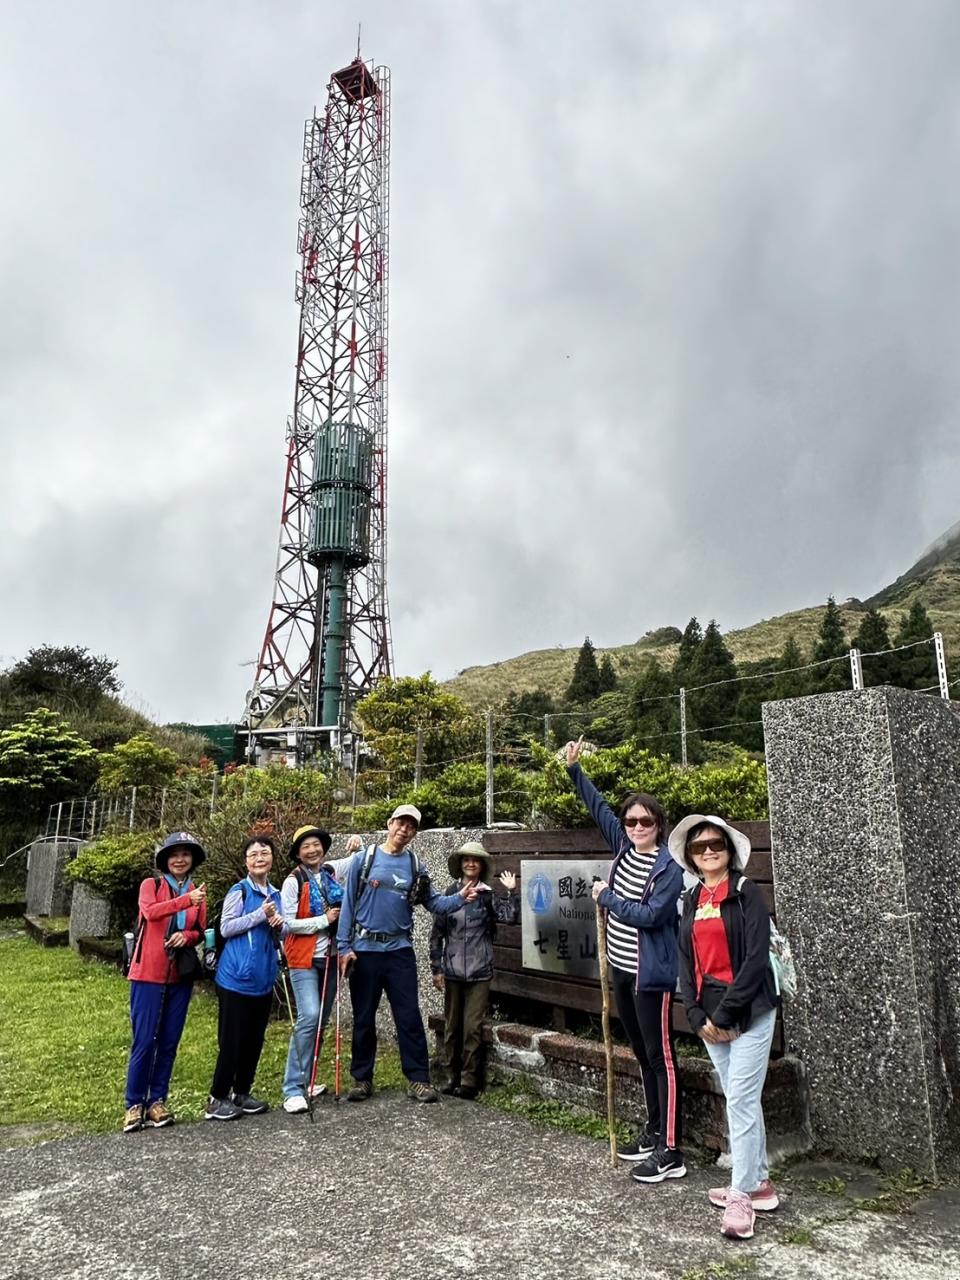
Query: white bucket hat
(677, 841)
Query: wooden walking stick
(605, 1021)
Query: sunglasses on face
(639, 822)
(714, 845)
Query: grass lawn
(65, 1036)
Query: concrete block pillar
(865, 831)
(48, 890)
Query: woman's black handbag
(187, 964)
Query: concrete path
(392, 1190)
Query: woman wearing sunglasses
(728, 988)
(641, 904)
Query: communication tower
(327, 640)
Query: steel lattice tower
(328, 635)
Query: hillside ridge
(933, 580)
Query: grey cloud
(673, 318)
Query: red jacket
(151, 961)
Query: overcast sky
(673, 318)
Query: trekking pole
(336, 1068)
(318, 1043)
(605, 1020)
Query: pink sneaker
(764, 1199)
(738, 1216)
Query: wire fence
(85, 818)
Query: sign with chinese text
(558, 916)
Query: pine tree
(690, 642)
(654, 713)
(713, 663)
(830, 644)
(608, 677)
(916, 668)
(873, 638)
(585, 684)
(789, 682)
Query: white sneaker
(295, 1105)
(317, 1089)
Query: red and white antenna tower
(328, 641)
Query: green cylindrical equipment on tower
(342, 487)
(339, 539)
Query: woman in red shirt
(173, 916)
(730, 997)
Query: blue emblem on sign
(539, 894)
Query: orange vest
(299, 947)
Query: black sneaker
(665, 1163)
(643, 1146)
(451, 1089)
(249, 1105)
(222, 1109)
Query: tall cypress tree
(830, 644)
(789, 682)
(872, 638)
(713, 662)
(608, 677)
(690, 642)
(585, 684)
(654, 714)
(917, 667)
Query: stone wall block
(864, 812)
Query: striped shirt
(629, 881)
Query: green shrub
(114, 866)
(736, 789)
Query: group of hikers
(352, 918)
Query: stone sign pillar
(865, 830)
(48, 889)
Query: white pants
(741, 1065)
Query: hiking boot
(296, 1105)
(133, 1118)
(662, 1164)
(361, 1091)
(158, 1117)
(641, 1147)
(249, 1105)
(468, 1091)
(222, 1109)
(451, 1088)
(421, 1092)
(764, 1199)
(738, 1216)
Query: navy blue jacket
(655, 915)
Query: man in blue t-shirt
(375, 942)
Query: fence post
(683, 727)
(941, 665)
(546, 731)
(356, 759)
(489, 768)
(56, 834)
(133, 807)
(418, 763)
(83, 817)
(93, 819)
(856, 669)
(70, 818)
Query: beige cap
(406, 811)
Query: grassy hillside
(934, 580)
